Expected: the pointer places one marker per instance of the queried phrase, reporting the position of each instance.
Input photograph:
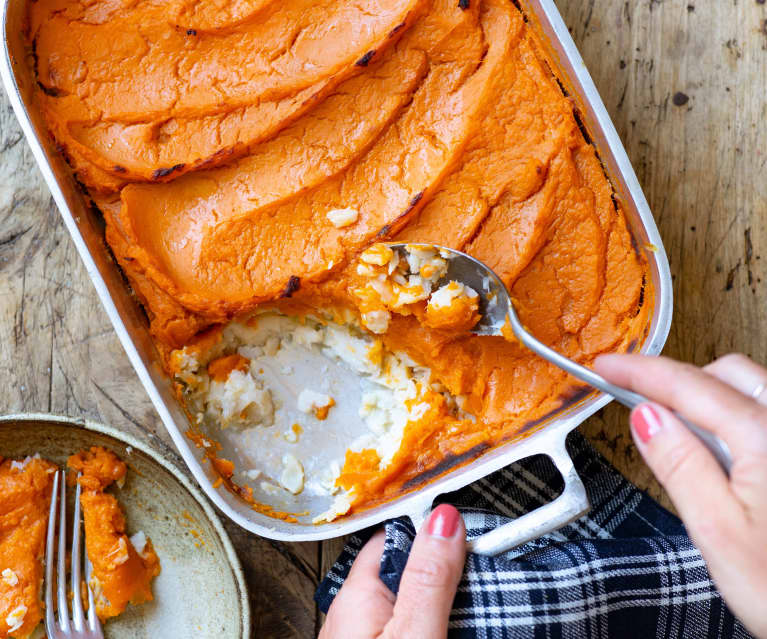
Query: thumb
(688, 471)
(431, 577)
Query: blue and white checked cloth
(627, 569)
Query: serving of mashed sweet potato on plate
(123, 567)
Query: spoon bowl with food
(470, 285)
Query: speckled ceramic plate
(201, 591)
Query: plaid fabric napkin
(627, 569)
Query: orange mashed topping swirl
(252, 156)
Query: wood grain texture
(701, 158)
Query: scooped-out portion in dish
(251, 163)
(123, 567)
(314, 407)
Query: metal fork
(64, 627)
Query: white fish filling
(21, 465)
(401, 283)
(9, 577)
(391, 386)
(15, 619)
(341, 505)
(444, 296)
(426, 262)
(292, 478)
(377, 321)
(240, 399)
(342, 217)
(309, 401)
(119, 553)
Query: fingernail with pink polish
(646, 422)
(443, 521)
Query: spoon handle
(718, 448)
(715, 445)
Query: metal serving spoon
(495, 305)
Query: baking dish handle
(569, 506)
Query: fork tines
(61, 626)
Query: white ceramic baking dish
(86, 228)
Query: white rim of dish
(180, 475)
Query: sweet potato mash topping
(25, 496)
(453, 307)
(291, 46)
(220, 368)
(258, 154)
(122, 574)
(370, 484)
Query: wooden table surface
(686, 85)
